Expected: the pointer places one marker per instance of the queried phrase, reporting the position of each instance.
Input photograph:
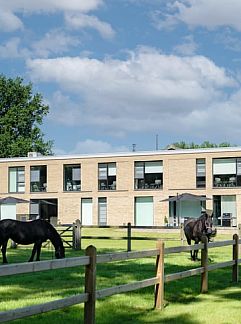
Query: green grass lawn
(184, 303)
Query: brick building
(118, 188)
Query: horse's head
(60, 252)
(208, 229)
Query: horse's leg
(38, 251)
(195, 253)
(189, 243)
(33, 252)
(4, 250)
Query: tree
(21, 114)
(205, 144)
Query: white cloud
(12, 49)
(206, 13)
(77, 21)
(54, 42)
(64, 111)
(92, 146)
(27, 6)
(188, 47)
(148, 91)
(9, 21)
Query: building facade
(114, 189)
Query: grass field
(184, 303)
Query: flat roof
(123, 154)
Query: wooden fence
(72, 234)
(90, 261)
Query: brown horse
(195, 228)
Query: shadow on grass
(65, 282)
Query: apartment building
(114, 189)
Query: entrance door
(8, 211)
(144, 211)
(86, 211)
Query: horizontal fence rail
(75, 230)
(90, 261)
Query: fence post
(128, 237)
(204, 264)
(159, 288)
(182, 233)
(235, 272)
(73, 236)
(90, 286)
(77, 235)
(239, 235)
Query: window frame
(41, 184)
(17, 182)
(72, 185)
(142, 183)
(200, 179)
(224, 180)
(106, 180)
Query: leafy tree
(205, 144)
(21, 114)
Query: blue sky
(119, 72)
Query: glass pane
(21, 187)
(102, 171)
(102, 211)
(35, 175)
(239, 166)
(111, 169)
(201, 170)
(34, 208)
(12, 180)
(139, 170)
(21, 177)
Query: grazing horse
(34, 232)
(195, 228)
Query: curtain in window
(139, 170)
(224, 166)
(76, 174)
(111, 169)
(35, 175)
(103, 171)
(154, 167)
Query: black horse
(195, 228)
(34, 232)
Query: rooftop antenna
(133, 147)
(156, 142)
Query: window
(45, 209)
(102, 211)
(38, 178)
(144, 214)
(227, 172)
(224, 210)
(200, 173)
(149, 175)
(107, 176)
(16, 179)
(72, 175)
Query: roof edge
(123, 154)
